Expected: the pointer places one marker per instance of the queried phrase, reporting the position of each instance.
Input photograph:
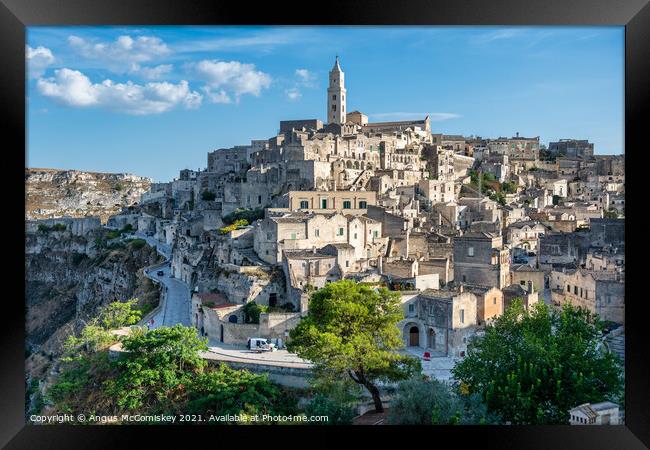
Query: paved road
(219, 350)
(177, 305)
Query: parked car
(160, 273)
(531, 253)
(260, 345)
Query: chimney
(380, 264)
(461, 288)
(313, 249)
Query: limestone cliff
(51, 193)
(68, 278)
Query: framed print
(411, 217)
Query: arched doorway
(414, 336)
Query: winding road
(175, 299)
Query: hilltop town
(458, 225)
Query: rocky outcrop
(53, 193)
(68, 278)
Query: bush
(250, 215)
(208, 196)
(137, 244)
(120, 314)
(337, 413)
(252, 312)
(77, 258)
(422, 402)
(239, 223)
(119, 187)
(113, 234)
(56, 227)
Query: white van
(260, 345)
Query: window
(293, 235)
(568, 288)
(355, 235)
(269, 236)
(347, 263)
(494, 301)
(323, 203)
(462, 316)
(470, 251)
(333, 107)
(411, 308)
(259, 199)
(464, 279)
(340, 233)
(575, 290)
(347, 204)
(304, 204)
(317, 232)
(334, 97)
(363, 204)
(375, 233)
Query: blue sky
(154, 100)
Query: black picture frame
(15, 15)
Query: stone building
(528, 296)
(526, 234)
(481, 258)
(528, 276)
(602, 293)
(329, 201)
(298, 230)
(573, 148)
(603, 413)
(440, 321)
(489, 302)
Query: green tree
(157, 367)
(532, 366)
(252, 312)
(424, 402)
(120, 314)
(225, 391)
(334, 397)
(352, 329)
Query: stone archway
(414, 336)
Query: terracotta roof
(218, 300)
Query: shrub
(208, 196)
(425, 402)
(337, 413)
(239, 223)
(250, 215)
(252, 312)
(77, 258)
(119, 187)
(137, 244)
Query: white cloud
(150, 73)
(293, 94)
(506, 33)
(305, 78)
(124, 49)
(73, 88)
(231, 78)
(38, 59)
(434, 117)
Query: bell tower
(336, 95)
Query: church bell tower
(336, 95)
